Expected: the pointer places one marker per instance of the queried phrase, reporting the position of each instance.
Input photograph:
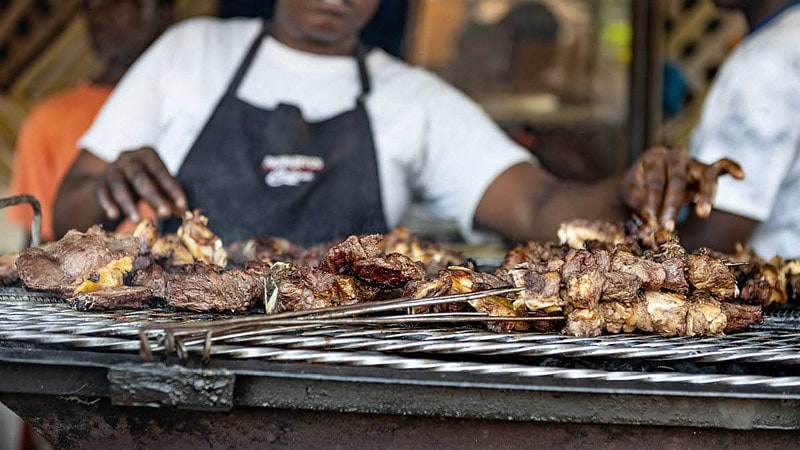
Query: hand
(663, 180)
(139, 174)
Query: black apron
(258, 172)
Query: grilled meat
(672, 257)
(710, 274)
(352, 249)
(542, 290)
(169, 251)
(584, 323)
(651, 274)
(203, 287)
(577, 232)
(739, 317)
(393, 270)
(204, 246)
(533, 252)
(618, 317)
(8, 269)
(706, 316)
(93, 257)
(663, 313)
(621, 287)
(433, 257)
(310, 288)
(122, 297)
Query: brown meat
(651, 274)
(442, 284)
(739, 317)
(352, 249)
(618, 286)
(74, 259)
(123, 297)
(201, 242)
(169, 251)
(584, 323)
(393, 270)
(584, 289)
(577, 232)
(532, 252)
(541, 290)
(618, 317)
(308, 288)
(154, 278)
(665, 314)
(672, 257)
(710, 274)
(8, 269)
(203, 287)
(706, 316)
(577, 261)
(432, 257)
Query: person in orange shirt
(119, 30)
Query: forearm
(567, 200)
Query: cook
(291, 128)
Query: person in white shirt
(293, 129)
(752, 114)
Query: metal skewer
(36, 225)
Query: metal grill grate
(771, 349)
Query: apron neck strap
(359, 53)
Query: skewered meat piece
(577, 232)
(739, 317)
(457, 280)
(201, 242)
(93, 257)
(170, 251)
(433, 257)
(309, 288)
(122, 297)
(706, 316)
(270, 248)
(8, 269)
(584, 289)
(672, 257)
(203, 287)
(651, 274)
(147, 233)
(393, 270)
(705, 273)
(622, 287)
(541, 289)
(352, 249)
(618, 317)
(533, 252)
(662, 313)
(584, 323)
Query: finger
(730, 167)
(146, 188)
(675, 194)
(655, 179)
(104, 197)
(165, 180)
(121, 193)
(706, 192)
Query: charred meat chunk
(672, 257)
(577, 232)
(309, 288)
(352, 249)
(651, 274)
(706, 316)
(618, 317)
(739, 317)
(204, 246)
(433, 257)
(541, 289)
(123, 297)
(663, 313)
(78, 257)
(622, 287)
(710, 274)
(393, 270)
(533, 252)
(584, 289)
(584, 323)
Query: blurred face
(121, 30)
(324, 21)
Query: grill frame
(387, 373)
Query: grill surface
(768, 356)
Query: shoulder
(207, 34)
(389, 72)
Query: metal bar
(36, 224)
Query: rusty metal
(36, 224)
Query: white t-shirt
(433, 144)
(752, 114)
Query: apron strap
(241, 71)
(363, 73)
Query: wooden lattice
(698, 37)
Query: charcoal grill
(87, 365)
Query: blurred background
(583, 84)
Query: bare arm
(721, 231)
(527, 203)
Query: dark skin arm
(721, 231)
(527, 203)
